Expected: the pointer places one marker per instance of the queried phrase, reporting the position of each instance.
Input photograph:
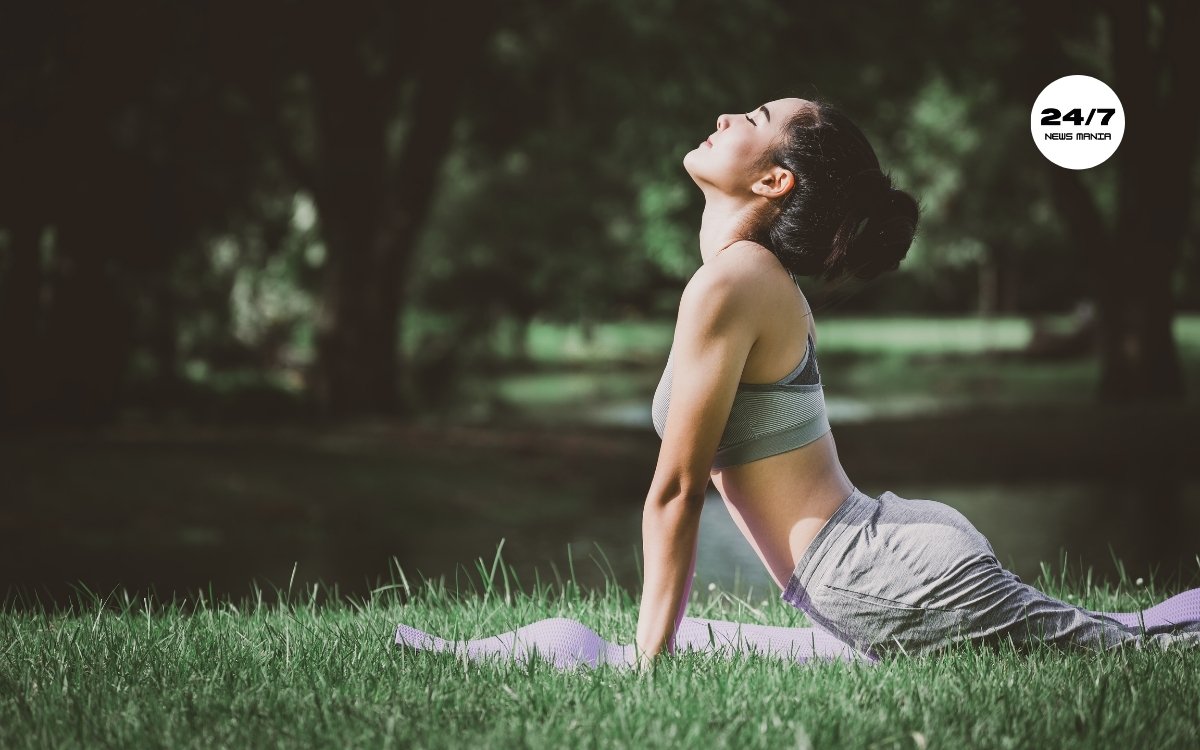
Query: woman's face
(725, 160)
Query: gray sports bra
(766, 418)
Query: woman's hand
(645, 662)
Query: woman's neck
(723, 223)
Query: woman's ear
(775, 183)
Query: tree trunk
(1140, 361)
(20, 290)
(1138, 356)
(357, 341)
(164, 344)
(373, 207)
(89, 330)
(519, 337)
(989, 282)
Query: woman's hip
(894, 570)
(892, 574)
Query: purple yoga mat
(568, 643)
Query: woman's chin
(697, 176)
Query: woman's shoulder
(720, 286)
(750, 283)
(741, 264)
(754, 264)
(740, 274)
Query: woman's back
(777, 467)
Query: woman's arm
(669, 532)
(688, 579)
(713, 336)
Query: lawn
(871, 366)
(111, 672)
(303, 666)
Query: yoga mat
(568, 643)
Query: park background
(295, 293)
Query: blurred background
(297, 292)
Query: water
(216, 513)
(1027, 523)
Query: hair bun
(844, 216)
(880, 229)
(866, 191)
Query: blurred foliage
(561, 197)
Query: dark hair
(843, 217)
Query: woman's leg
(1178, 614)
(1004, 607)
(912, 576)
(1011, 607)
(886, 574)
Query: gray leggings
(890, 574)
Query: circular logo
(1077, 122)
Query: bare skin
(779, 502)
(741, 320)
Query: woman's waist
(784, 502)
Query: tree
(1155, 67)
(336, 91)
(118, 156)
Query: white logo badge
(1077, 122)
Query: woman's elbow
(678, 489)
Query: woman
(794, 188)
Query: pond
(927, 409)
(224, 515)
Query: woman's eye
(752, 122)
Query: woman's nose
(722, 122)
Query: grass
(286, 671)
(301, 667)
(904, 364)
(905, 334)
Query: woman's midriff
(781, 502)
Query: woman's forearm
(670, 530)
(688, 579)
